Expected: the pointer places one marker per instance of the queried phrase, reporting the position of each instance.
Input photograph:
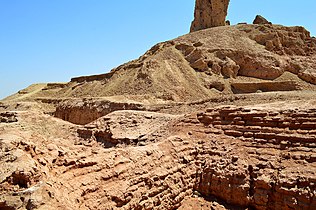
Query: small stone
(51, 147)
(261, 20)
(141, 144)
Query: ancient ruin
(222, 118)
(209, 13)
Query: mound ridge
(203, 64)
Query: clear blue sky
(54, 40)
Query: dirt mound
(199, 65)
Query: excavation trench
(82, 112)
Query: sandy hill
(212, 62)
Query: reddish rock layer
(249, 158)
(274, 164)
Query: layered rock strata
(274, 162)
(248, 157)
(84, 111)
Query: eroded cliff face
(260, 157)
(209, 13)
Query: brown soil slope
(204, 64)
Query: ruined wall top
(209, 13)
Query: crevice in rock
(4, 206)
(251, 181)
(20, 178)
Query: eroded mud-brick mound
(221, 118)
(205, 64)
